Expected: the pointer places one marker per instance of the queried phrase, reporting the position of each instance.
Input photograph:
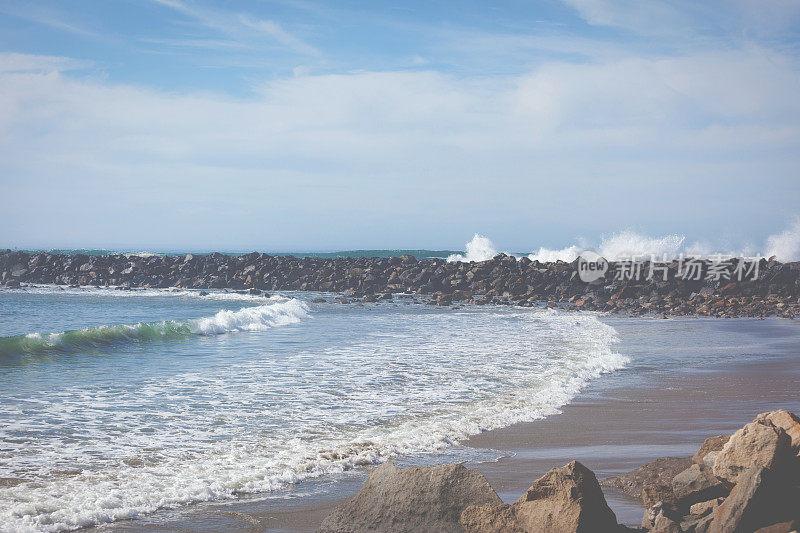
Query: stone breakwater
(503, 279)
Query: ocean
(117, 404)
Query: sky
(302, 125)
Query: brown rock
(790, 526)
(658, 472)
(565, 499)
(652, 513)
(710, 458)
(711, 444)
(658, 492)
(787, 421)
(702, 525)
(759, 499)
(412, 499)
(696, 484)
(756, 444)
(664, 524)
(706, 507)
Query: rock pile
(746, 482)
(504, 279)
(452, 498)
(564, 499)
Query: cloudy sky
(303, 125)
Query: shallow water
(156, 399)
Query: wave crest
(258, 318)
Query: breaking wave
(480, 248)
(785, 246)
(258, 318)
(398, 390)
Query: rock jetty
(743, 483)
(503, 279)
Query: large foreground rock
(565, 500)
(759, 444)
(761, 498)
(413, 499)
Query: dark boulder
(760, 498)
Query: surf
(258, 318)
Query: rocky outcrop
(565, 499)
(658, 473)
(743, 482)
(712, 445)
(789, 422)
(758, 443)
(752, 490)
(761, 497)
(705, 508)
(697, 484)
(412, 499)
(503, 279)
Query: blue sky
(296, 125)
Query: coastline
(619, 422)
(643, 412)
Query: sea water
(116, 404)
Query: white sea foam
(411, 383)
(785, 245)
(546, 255)
(480, 248)
(628, 243)
(251, 318)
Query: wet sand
(688, 379)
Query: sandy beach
(688, 379)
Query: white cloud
(428, 147)
(719, 102)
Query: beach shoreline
(619, 422)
